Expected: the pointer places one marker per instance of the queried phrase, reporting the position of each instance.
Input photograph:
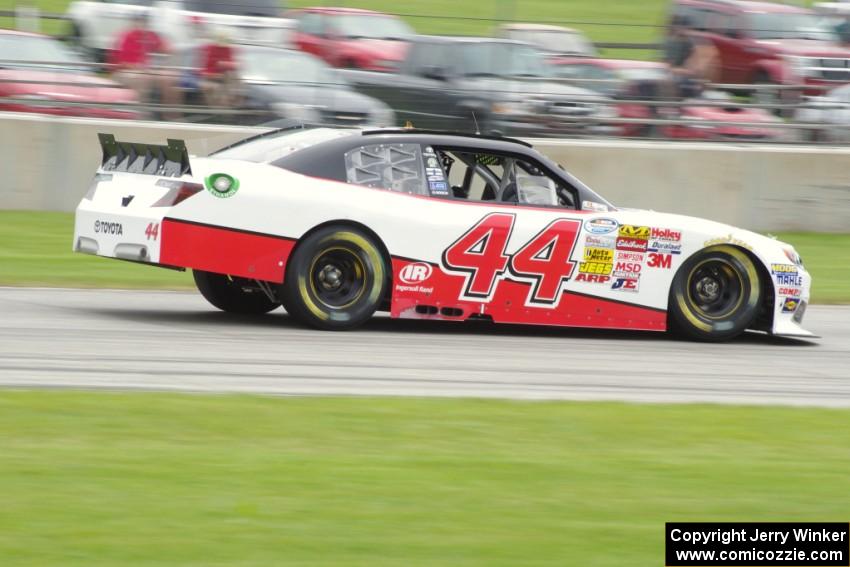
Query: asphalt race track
(59, 338)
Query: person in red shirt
(134, 61)
(219, 77)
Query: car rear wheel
(335, 279)
(715, 295)
(234, 295)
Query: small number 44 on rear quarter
(337, 224)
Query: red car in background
(629, 82)
(352, 38)
(40, 74)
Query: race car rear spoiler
(171, 160)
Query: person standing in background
(133, 60)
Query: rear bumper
(113, 234)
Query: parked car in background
(630, 82)
(43, 75)
(484, 84)
(95, 24)
(769, 43)
(832, 110)
(348, 37)
(552, 40)
(279, 83)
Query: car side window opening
(503, 178)
(396, 167)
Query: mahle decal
(222, 185)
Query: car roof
(751, 6)
(4, 31)
(536, 27)
(471, 39)
(342, 10)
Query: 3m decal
(631, 231)
(544, 260)
(664, 261)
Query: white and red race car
(337, 224)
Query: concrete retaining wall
(47, 164)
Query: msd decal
(415, 273)
(544, 261)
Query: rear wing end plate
(171, 160)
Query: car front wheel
(715, 295)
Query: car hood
(805, 47)
(506, 88)
(63, 86)
(728, 114)
(390, 49)
(328, 98)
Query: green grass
(35, 249)
(152, 479)
(635, 21)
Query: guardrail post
(27, 18)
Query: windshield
(502, 60)
(263, 65)
(643, 74)
(48, 53)
(789, 25)
(556, 41)
(277, 144)
(371, 27)
(265, 8)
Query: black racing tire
(232, 294)
(336, 279)
(715, 295)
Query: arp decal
(592, 278)
(544, 261)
